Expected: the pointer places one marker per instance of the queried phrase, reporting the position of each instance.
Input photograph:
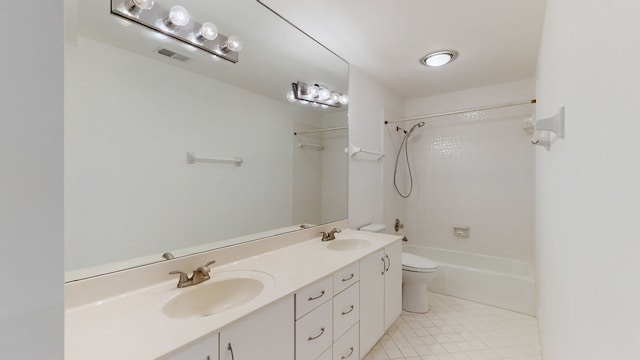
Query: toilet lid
(417, 262)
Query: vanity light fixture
(439, 58)
(315, 95)
(177, 23)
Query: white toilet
(416, 272)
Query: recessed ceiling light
(439, 58)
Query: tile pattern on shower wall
(476, 170)
(456, 329)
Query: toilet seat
(416, 263)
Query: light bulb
(312, 91)
(324, 94)
(144, 4)
(304, 102)
(324, 106)
(315, 104)
(139, 4)
(178, 16)
(233, 43)
(136, 6)
(344, 99)
(207, 31)
(290, 96)
(335, 97)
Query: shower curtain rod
(320, 130)
(532, 101)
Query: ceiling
(497, 40)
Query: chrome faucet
(199, 275)
(331, 235)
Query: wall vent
(172, 54)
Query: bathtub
(500, 282)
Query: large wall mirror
(132, 114)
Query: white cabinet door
(392, 284)
(206, 349)
(380, 293)
(266, 334)
(372, 269)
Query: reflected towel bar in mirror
(191, 158)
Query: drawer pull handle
(346, 356)
(316, 297)
(317, 336)
(230, 349)
(348, 311)
(388, 266)
(384, 265)
(349, 278)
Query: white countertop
(132, 325)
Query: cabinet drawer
(314, 333)
(344, 278)
(313, 296)
(348, 346)
(346, 310)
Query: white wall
(588, 189)
(474, 169)
(335, 168)
(31, 194)
(129, 191)
(366, 116)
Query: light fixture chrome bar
(320, 130)
(532, 101)
(154, 19)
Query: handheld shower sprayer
(405, 144)
(420, 124)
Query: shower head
(420, 124)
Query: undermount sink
(225, 291)
(348, 244)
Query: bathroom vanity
(291, 296)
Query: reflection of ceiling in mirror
(130, 194)
(274, 55)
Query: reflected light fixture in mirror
(315, 95)
(178, 24)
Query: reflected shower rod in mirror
(178, 24)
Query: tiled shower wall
(474, 169)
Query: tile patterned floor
(456, 329)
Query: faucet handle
(184, 278)
(204, 269)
